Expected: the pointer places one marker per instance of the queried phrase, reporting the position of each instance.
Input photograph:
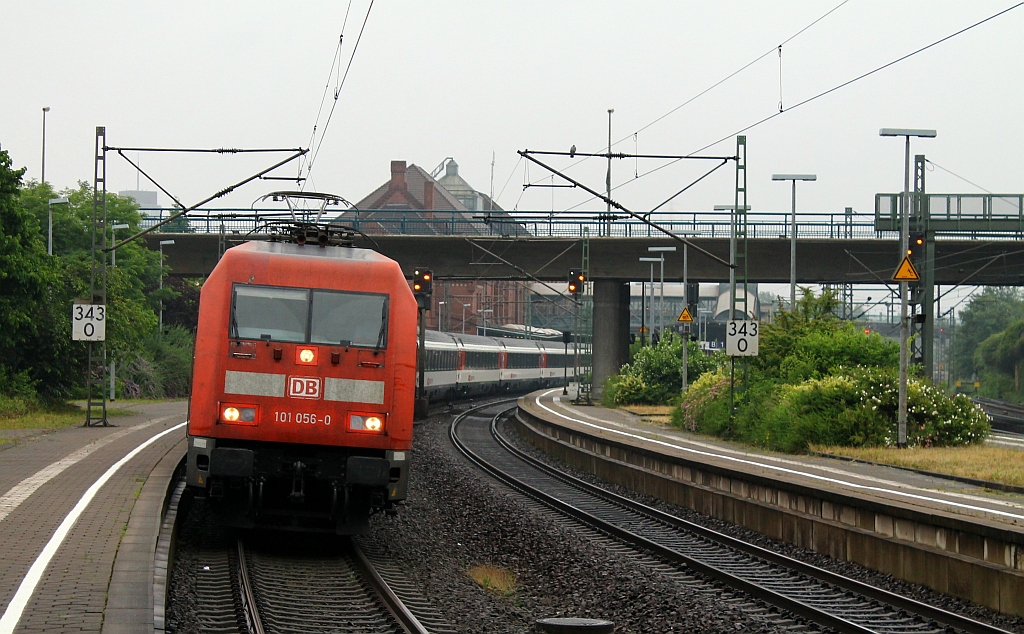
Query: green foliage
(822, 381)
(26, 275)
(38, 360)
(987, 313)
(1000, 359)
(655, 374)
(710, 389)
(163, 369)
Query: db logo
(304, 386)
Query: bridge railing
(527, 224)
(991, 215)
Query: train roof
(308, 250)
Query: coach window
(268, 312)
(357, 318)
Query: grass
(498, 580)
(54, 417)
(996, 464)
(659, 414)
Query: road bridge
(973, 240)
(819, 261)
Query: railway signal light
(576, 281)
(423, 282)
(916, 246)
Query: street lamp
(440, 315)
(464, 307)
(901, 439)
(661, 251)
(113, 253)
(792, 231)
(45, 110)
(484, 311)
(163, 243)
(49, 221)
(643, 309)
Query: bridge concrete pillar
(611, 331)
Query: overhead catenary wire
(335, 64)
(337, 92)
(814, 98)
(718, 83)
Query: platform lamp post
(113, 264)
(643, 309)
(661, 251)
(440, 314)
(484, 311)
(42, 178)
(901, 440)
(464, 307)
(792, 231)
(49, 221)
(163, 243)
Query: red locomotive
(302, 395)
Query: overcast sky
(472, 80)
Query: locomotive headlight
(238, 414)
(372, 423)
(306, 356)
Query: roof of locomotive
(309, 250)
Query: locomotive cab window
(297, 315)
(358, 318)
(268, 312)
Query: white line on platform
(1016, 517)
(21, 491)
(16, 607)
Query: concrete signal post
(907, 133)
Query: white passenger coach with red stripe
(458, 365)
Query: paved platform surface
(884, 484)
(99, 578)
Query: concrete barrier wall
(983, 563)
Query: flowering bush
(857, 407)
(654, 377)
(821, 381)
(705, 391)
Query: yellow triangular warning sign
(643, 329)
(906, 272)
(685, 316)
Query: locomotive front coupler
(298, 494)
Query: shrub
(703, 393)
(654, 377)
(856, 407)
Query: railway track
(254, 586)
(1005, 417)
(816, 596)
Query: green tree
(989, 312)
(26, 277)
(57, 363)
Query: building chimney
(397, 175)
(428, 194)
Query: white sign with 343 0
(741, 338)
(88, 322)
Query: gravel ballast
(457, 518)
(848, 569)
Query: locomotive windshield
(299, 315)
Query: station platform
(80, 511)
(946, 534)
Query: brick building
(413, 202)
